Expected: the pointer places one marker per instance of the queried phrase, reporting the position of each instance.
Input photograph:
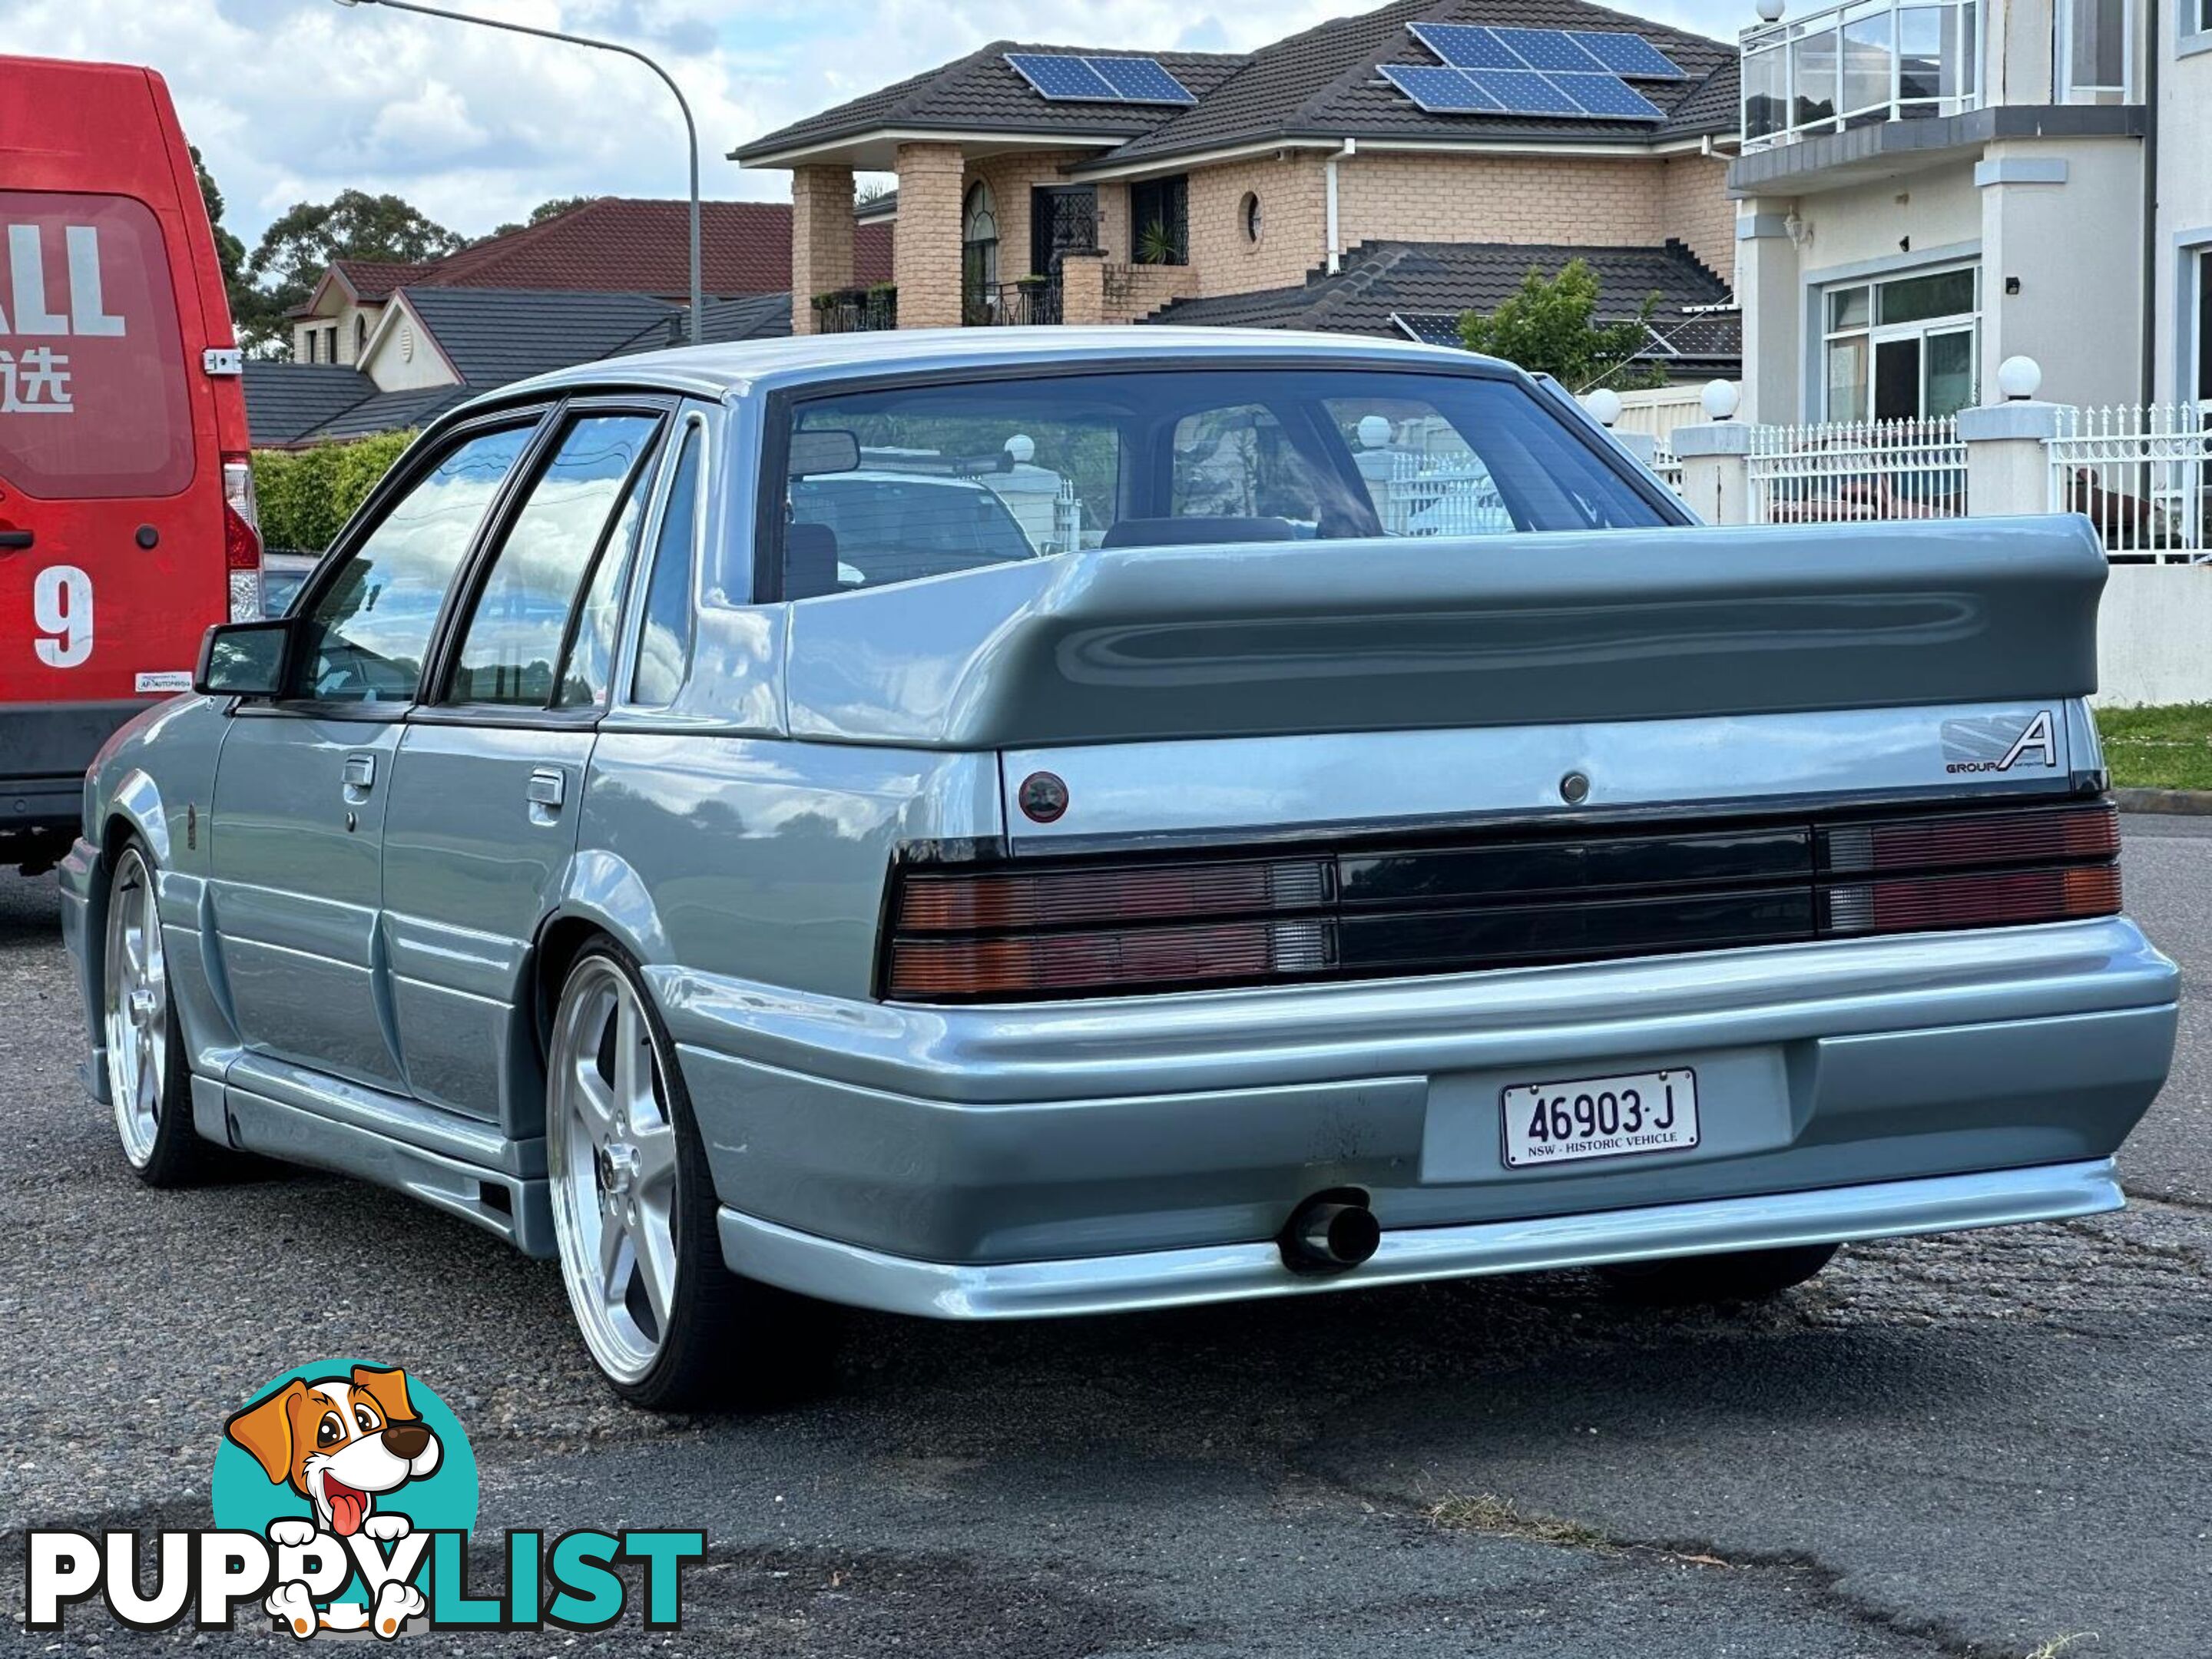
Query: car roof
(735, 370)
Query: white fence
(1668, 465)
(1838, 472)
(1443, 495)
(2142, 475)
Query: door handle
(14, 541)
(360, 777)
(547, 789)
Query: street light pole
(691, 129)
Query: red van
(126, 500)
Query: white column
(2008, 462)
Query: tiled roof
(284, 402)
(980, 91)
(376, 279)
(1380, 281)
(1324, 83)
(492, 337)
(623, 245)
(1320, 84)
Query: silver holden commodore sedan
(1012, 822)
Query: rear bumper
(1171, 1279)
(47, 747)
(1015, 1136)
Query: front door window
(367, 629)
(979, 252)
(1902, 349)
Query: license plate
(1600, 1117)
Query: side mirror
(244, 660)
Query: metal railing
(2143, 476)
(1845, 472)
(1010, 304)
(1853, 64)
(856, 311)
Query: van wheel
(1740, 1276)
(149, 1077)
(667, 1323)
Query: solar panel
(1548, 49)
(1607, 95)
(1063, 77)
(1628, 54)
(1523, 92)
(1441, 91)
(1439, 328)
(1141, 80)
(1465, 45)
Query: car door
(303, 779)
(487, 787)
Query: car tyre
(667, 1323)
(1740, 1276)
(149, 1075)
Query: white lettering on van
(36, 383)
(61, 605)
(87, 315)
(26, 260)
(87, 312)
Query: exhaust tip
(1330, 1232)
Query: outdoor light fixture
(691, 129)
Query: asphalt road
(1980, 1445)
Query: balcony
(1015, 305)
(1859, 64)
(856, 310)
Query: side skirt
(517, 1208)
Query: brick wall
(926, 241)
(1698, 211)
(1595, 201)
(1288, 193)
(821, 238)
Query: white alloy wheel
(136, 1016)
(611, 1160)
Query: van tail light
(241, 539)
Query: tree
(306, 495)
(1551, 327)
(229, 252)
(541, 213)
(294, 252)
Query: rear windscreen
(93, 396)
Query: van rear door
(113, 433)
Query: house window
(979, 246)
(1248, 217)
(1159, 220)
(2200, 270)
(360, 336)
(1902, 349)
(2093, 42)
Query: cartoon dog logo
(341, 1442)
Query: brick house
(611, 245)
(1276, 172)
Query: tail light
(1091, 926)
(241, 539)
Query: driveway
(1969, 1446)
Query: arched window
(979, 249)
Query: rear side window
(368, 628)
(518, 629)
(95, 393)
(663, 645)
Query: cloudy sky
(293, 100)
